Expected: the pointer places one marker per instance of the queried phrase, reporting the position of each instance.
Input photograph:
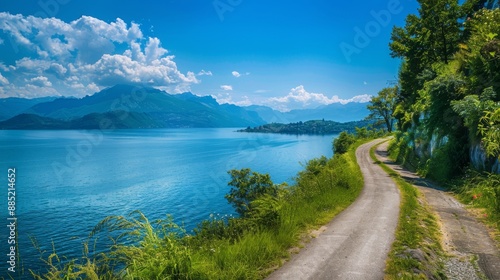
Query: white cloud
(93, 87)
(205, 73)
(153, 50)
(3, 80)
(3, 67)
(40, 81)
(364, 98)
(1, 41)
(226, 87)
(300, 98)
(365, 83)
(87, 48)
(223, 98)
(58, 69)
(227, 98)
(238, 74)
(245, 102)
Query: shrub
(342, 143)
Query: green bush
(342, 143)
(247, 186)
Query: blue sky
(284, 54)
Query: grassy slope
(416, 251)
(319, 200)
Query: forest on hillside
(446, 104)
(320, 127)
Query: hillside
(308, 127)
(12, 106)
(140, 107)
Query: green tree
(430, 37)
(382, 107)
(489, 128)
(248, 186)
(342, 143)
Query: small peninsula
(309, 127)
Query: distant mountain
(145, 108)
(268, 114)
(128, 106)
(31, 121)
(12, 106)
(334, 112)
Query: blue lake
(68, 181)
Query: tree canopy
(382, 107)
(448, 95)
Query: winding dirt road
(464, 237)
(356, 243)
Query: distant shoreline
(313, 127)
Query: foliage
(342, 143)
(246, 187)
(382, 107)
(473, 108)
(489, 127)
(441, 118)
(448, 84)
(481, 190)
(480, 55)
(430, 37)
(219, 228)
(309, 127)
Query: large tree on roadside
(382, 107)
(430, 37)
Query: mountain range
(128, 106)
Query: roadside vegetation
(446, 101)
(481, 191)
(274, 221)
(416, 252)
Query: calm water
(67, 181)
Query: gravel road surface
(356, 243)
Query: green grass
(417, 233)
(235, 248)
(481, 191)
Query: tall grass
(221, 248)
(482, 191)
